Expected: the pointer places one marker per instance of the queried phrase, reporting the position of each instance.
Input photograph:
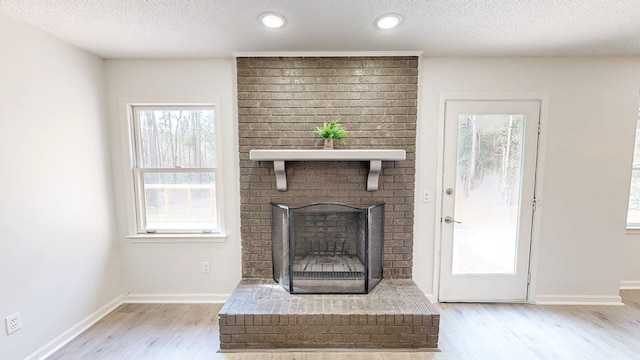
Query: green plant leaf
(332, 130)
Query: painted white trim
(175, 298)
(630, 285)
(431, 298)
(578, 300)
(437, 245)
(325, 53)
(177, 238)
(61, 340)
(517, 96)
(536, 226)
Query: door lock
(449, 220)
(449, 191)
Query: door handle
(449, 220)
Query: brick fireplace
(280, 102)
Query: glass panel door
(489, 161)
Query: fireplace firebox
(327, 248)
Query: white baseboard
(630, 285)
(64, 338)
(176, 298)
(578, 300)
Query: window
(633, 212)
(175, 169)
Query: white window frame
(633, 227)
(135, 198)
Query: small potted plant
(331, 131)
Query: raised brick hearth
(260, 314)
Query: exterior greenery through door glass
(175, 169)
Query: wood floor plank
(467, 332)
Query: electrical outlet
(13, 323)
(426, 196)
(205, 267)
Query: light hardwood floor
(467, 332)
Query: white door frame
(539, 177)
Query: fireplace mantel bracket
(373, 156)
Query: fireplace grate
(329, 275)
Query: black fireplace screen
(327, 248)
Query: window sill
(178, 238)
(633, 231)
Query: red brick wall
(282, 100)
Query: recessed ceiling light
(388, 21)
(273, 20)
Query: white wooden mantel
(375, 157)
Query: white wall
(592, 111)
(165, 270)
(58, 257)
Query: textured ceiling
(218, 28)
